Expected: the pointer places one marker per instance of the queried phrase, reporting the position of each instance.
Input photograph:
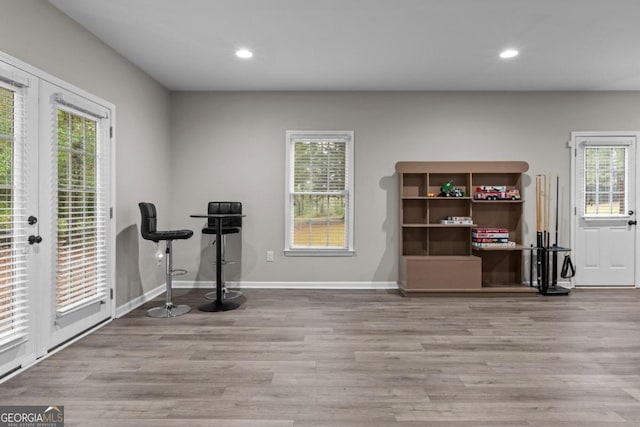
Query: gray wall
(40, 35)
(181, 150)
(230, 146)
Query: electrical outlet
(269, 256)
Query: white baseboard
(606, 287)
(209, 284)
(137, 302)
(565, 284)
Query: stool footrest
(178, 272)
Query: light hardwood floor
(291, 358)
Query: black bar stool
(149, 232)
(229, 226)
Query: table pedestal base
(554, 290)
(226, 295)
(218, 306)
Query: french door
(55, 231)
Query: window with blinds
(13, 233)
(320, 192)
(81, 234)
(605, 180)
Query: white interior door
(604, 196)
(74, 208)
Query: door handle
(34, 239)
(32, 220)
(632, 222)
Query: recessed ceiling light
(509, 53)
(244, 53)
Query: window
(319, 197)
(605, 179)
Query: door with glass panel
(74, 210)
(605, 230)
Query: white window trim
(79, 107)
(348, 137)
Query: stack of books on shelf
(451, 220)
(491, 238)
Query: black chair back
(225, 208)
(149, 224)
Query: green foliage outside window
(76, 175)
(6, 158)
(319, 168)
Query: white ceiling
(373, 44)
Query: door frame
(572, 178)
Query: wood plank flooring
(292, 358)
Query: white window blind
(81, 261)
(320, 192)
(13, 230)
(604, 180)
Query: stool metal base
(168, 310)
(229, 294)
(218, 306)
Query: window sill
(319, 253)
(13, 341)
(605, 217)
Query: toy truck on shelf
(496, 192)
(448, 190)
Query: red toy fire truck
(496, 192)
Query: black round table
(218, 304)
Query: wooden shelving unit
(439, 258)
